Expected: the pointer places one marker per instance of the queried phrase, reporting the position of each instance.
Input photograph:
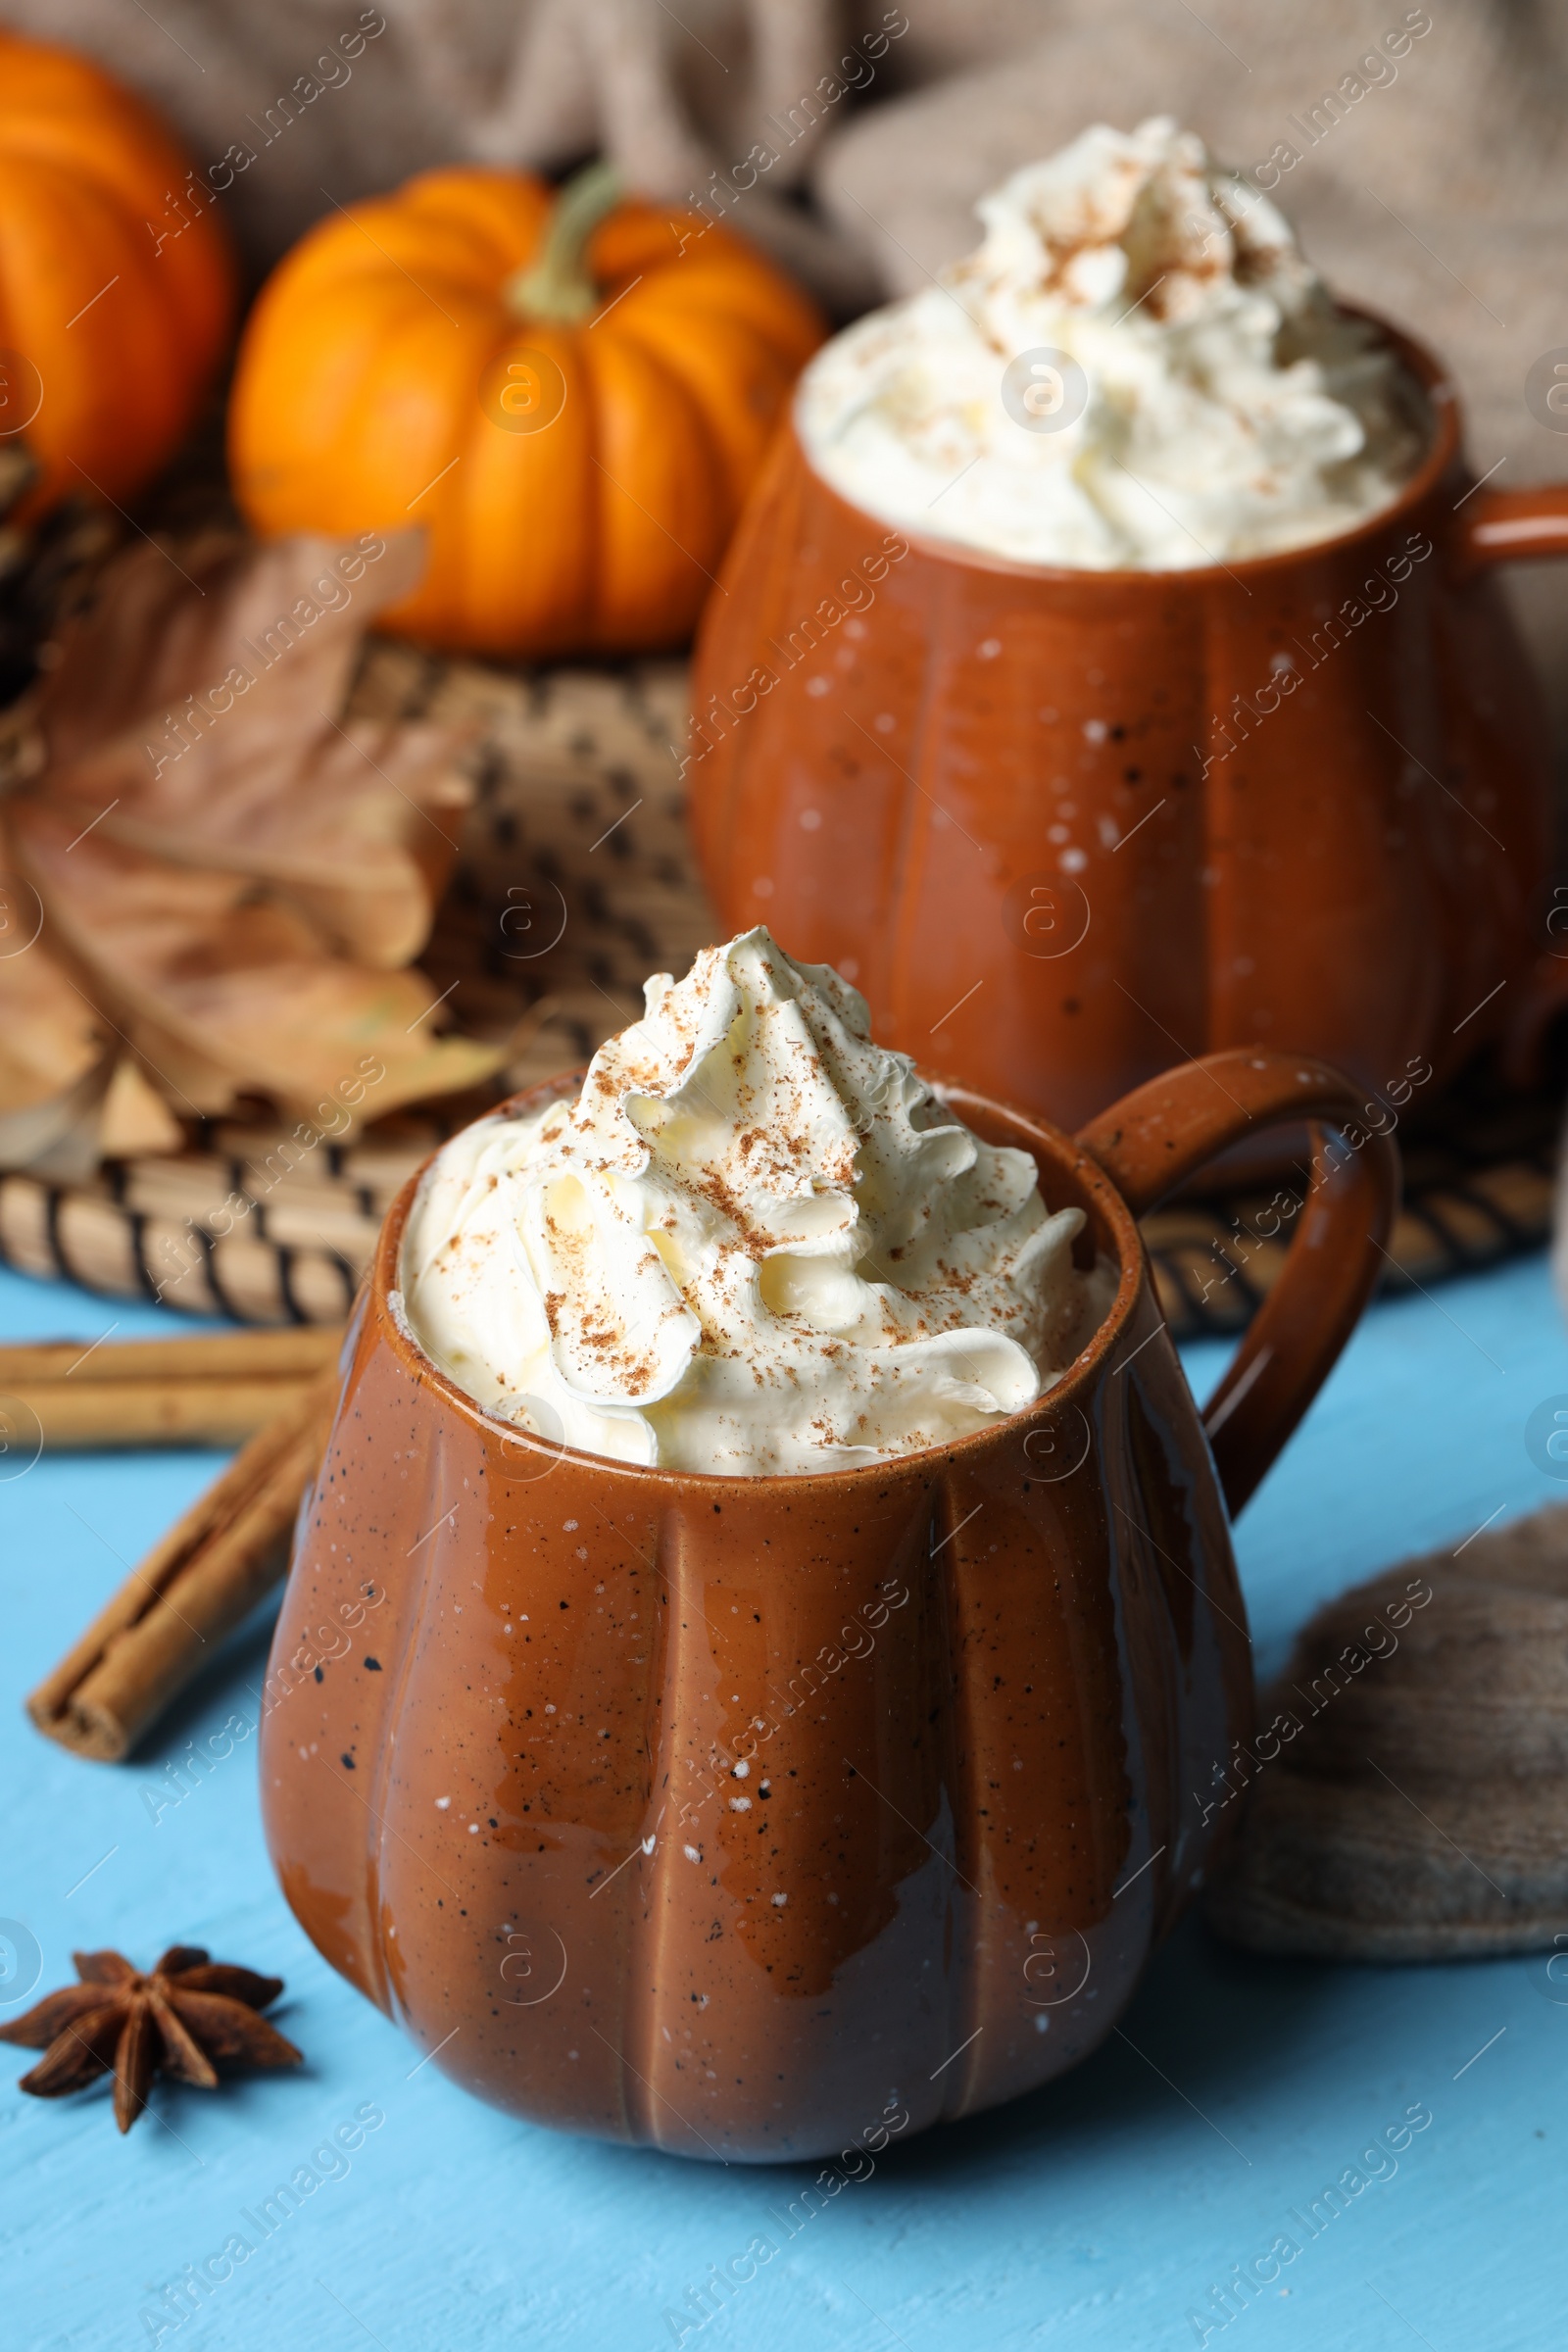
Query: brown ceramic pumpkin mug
(747, 1817)
(1072, 821)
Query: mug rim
(1420, 362)
(385, 1279)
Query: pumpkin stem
(557, 285)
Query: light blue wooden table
(1096, 2213)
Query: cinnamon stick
(192, 1589)
(295, 1352)
(210, 1390)
(53, 1418)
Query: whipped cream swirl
(756, 1241)
(1222, 407)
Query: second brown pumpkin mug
(757, 1818)
(1066, 822)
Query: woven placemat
(574, 883)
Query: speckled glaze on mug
(1057, 826)
(737, 1816)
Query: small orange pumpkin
(574, 397)
(116, 288)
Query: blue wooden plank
(1101, 2213)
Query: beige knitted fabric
(1420, 1809)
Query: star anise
(175, 2020)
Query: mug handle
(1501, 526)
(1519, 526)
(1155, 1138)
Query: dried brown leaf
(239, 982)
(162, 629)
(50, 1036)
(273, 786)
(232, 876)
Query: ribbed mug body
(1059, 826)
(734, 1816)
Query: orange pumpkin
(116, 287)
(574, 397)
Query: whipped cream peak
(754, 1241)
(1142, 217)
(1208, 397)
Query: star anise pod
(175, 2020)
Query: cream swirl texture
(1138, 370)
(756, 1241)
